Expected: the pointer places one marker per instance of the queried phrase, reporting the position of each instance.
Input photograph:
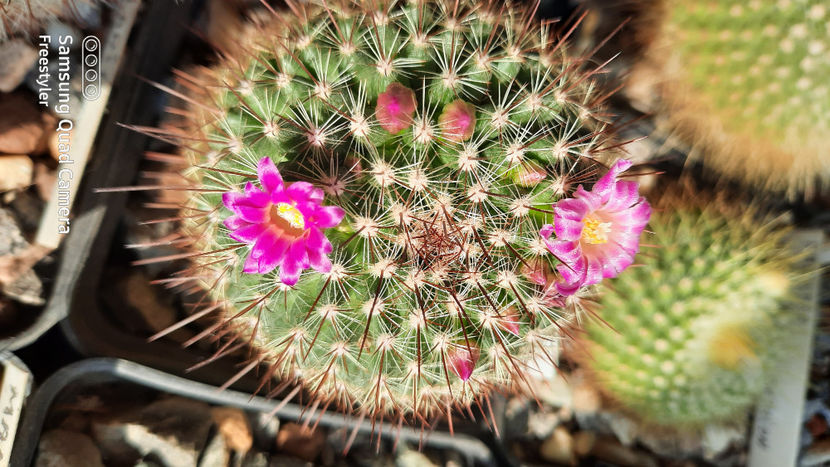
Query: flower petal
(269, 176)
(328, 216)
(248, 233)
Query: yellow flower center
(730, 346)
(290, 214)
(595, 232)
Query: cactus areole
(353, 211)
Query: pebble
(611, 451)
(26, 288)
(412, 458)
(718, 438)
(15, 172)
(11, 238)
(44, 180)
(559, 447)
(21, 126)
(233, 425)
(583, 442)
(216, 453)
(17, 57)
(174, 430)
(300, 442)
(62, 448)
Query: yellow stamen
(291, 214)
(595, 232)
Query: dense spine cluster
(436, 135)
(692, 336)
(745, 83)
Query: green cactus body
(691, 335)
(746, 82)
(429, 302)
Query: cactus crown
(746, 83)
(441, 133)
(692, 336)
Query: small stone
(234, 427)
(300, 442)
(265, 428)
(255, 459)
(583, 442)
(623, 427)
(17, 57)
(26, 288)
(585, 399)
(541, 424)
(216, 454)
(817, 454)
(173, 430)
(718, 438)
(412, 458)
(15, 172)
(556, 391)
(559, 447)
(816, 425)
(44, 180)
(21, 126)
(11, 238)
(611, 451)
(62, 448)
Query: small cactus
(26, 17)
(745, 84)
(692, 336)
(368, 184)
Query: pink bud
(458, 121)
(510, 321)
(529, 175)
(395, 108)
(462, 360)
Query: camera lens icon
(91, 63)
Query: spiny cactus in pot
(370, 200)
(695, 334)
(744, 84)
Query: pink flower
(458, 121)
(597, 231)
(462, 360)
(283, 224)
(510, 321)
(395, 108)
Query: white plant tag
(778, 418)
(14, 387)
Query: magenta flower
(462, 360)
(597, 231)
(283, 224)
(395, 108)
(458, 121)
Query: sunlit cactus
(26, 17)
(367, 187)
(745, 84)
(694, 335)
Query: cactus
(367, 187)
(25, 17)
(744, 83)
(693, 336)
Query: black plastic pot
(150, 54)
(106, 370)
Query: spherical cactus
(368, 184)
(744, 83)
(692, 336)
(25, 17)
